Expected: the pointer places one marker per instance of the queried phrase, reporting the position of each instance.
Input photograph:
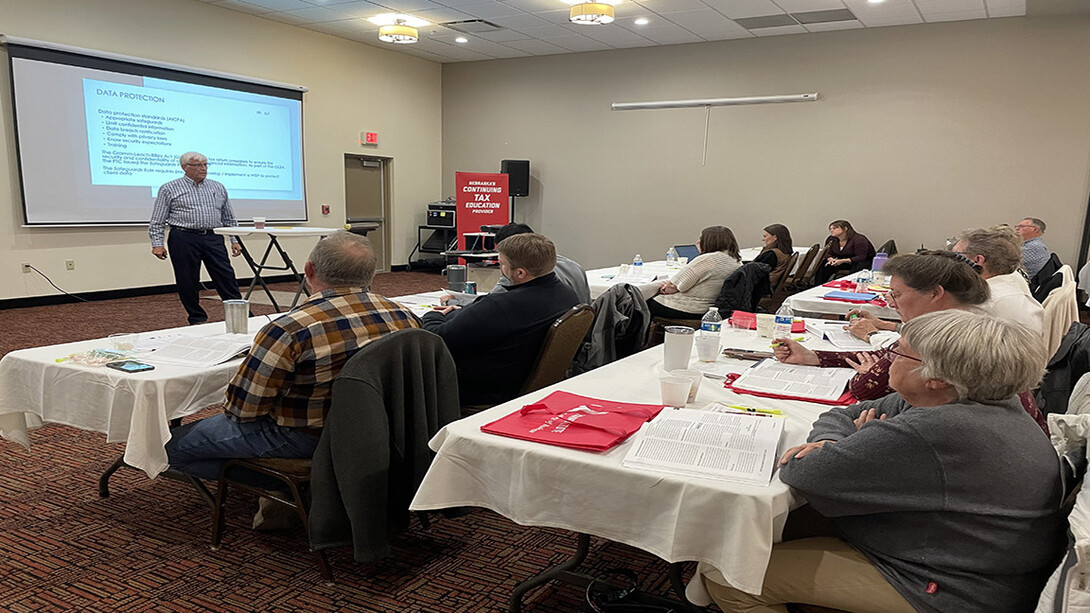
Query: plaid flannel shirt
(288, 374)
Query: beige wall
(920, 131)
(353, 87)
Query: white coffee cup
(259, 223)
(765, 323)
(694, 376)
(677, 347)
(675, 390)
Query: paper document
(773, 377)
(202, 350)
(731, 446)
(633, 279)
(834, 332)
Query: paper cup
(259, 223)
(765, 323)
(677, 347)
(694, 377)
(675, 390)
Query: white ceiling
(541, 27)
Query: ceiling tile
(555, 17)
(285, 17)
(407, 6)
(502, 36)
(533, 6)
(335, 28)
(314, 14)
(892, 21)
(672, 6)
(524, 20)
(327, 3)
(442, 15)
(359, 8)
(948, 6)
(671, 36)
(704, 20)
(544, 31)
(575, 42)
(780, 31)
(536, 47)
(1006, 11)
(737, 9)
(833, 25)
(955, 16)
(801, 6)
(615, 37)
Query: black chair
(889, 247)
(1046, 279)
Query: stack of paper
(772, 377)
(834, 332)
(201, 350)
(731, 446)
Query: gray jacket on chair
(620, 326)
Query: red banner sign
(482, 200)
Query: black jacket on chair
(744, 288)
(388, 401)
(1072, 361)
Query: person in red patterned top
(277, 402)
(920, 283)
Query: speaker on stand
(518, 180)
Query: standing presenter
(192, 206)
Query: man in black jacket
(496, 339)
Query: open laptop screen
(687, 251)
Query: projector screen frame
(36, 50)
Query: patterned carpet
(146, 547)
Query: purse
(605, 598)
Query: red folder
(570, 420)
(845, 399)
(749, 320)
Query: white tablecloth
(811, 301)
(728, 525)
(134, 408)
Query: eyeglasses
(898, 354)
(205, 165)
(1028, 225)
(891, 298)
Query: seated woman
(696, 286)
(849, 251)
(942, 497)
(776, 252)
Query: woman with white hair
(944, 496)
(998, 251)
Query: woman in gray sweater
(944, 495)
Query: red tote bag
(570, 420)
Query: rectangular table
(730, 526)
(810, 301)
(272, 232)
(134, 408)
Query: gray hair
(191, 156)
(344, 260)
(1037, 222)
(1000, 245)
(984, 358)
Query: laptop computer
(687, 251)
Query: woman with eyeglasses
(942, 497)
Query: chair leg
(218, 520)
(301, 508)
(425, 522)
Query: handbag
(570, 420)
(604, 598)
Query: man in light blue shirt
(193, 206)
(1034, 252)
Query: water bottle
(862, 282)
(784, 318)
(879, 261)
(712, 322)
(671, 256)
(637, 262)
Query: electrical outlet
(69, 264)
(26, 268)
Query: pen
(739, 407)
(796, 339)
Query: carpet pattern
(146, 546)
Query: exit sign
(369, 139)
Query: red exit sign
(369, 139)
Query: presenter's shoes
(197, 322)
(272, 516)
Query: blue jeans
(201, 448)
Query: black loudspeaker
(518, 172)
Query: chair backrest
(1046, 279)
(563, 340)
(804, 266)
(785, 277)
(1061, 309)
(808, 276)
(890, 247)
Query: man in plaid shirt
(277, 402)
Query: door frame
(387, 199)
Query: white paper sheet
(793, 380)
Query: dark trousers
(187, 250)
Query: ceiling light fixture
(461, 39)
(641, 21)
(591, 14)
(398, 33)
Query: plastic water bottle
(784, 318)
(638, 262)
(880, 259)
(712, 322)
(862, 282)
(671, 256)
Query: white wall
(920, 131)
(353, 87)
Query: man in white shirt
(998, 251)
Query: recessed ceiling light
(641, 21)
(388, 19)
(875, 1)
(461, 39)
